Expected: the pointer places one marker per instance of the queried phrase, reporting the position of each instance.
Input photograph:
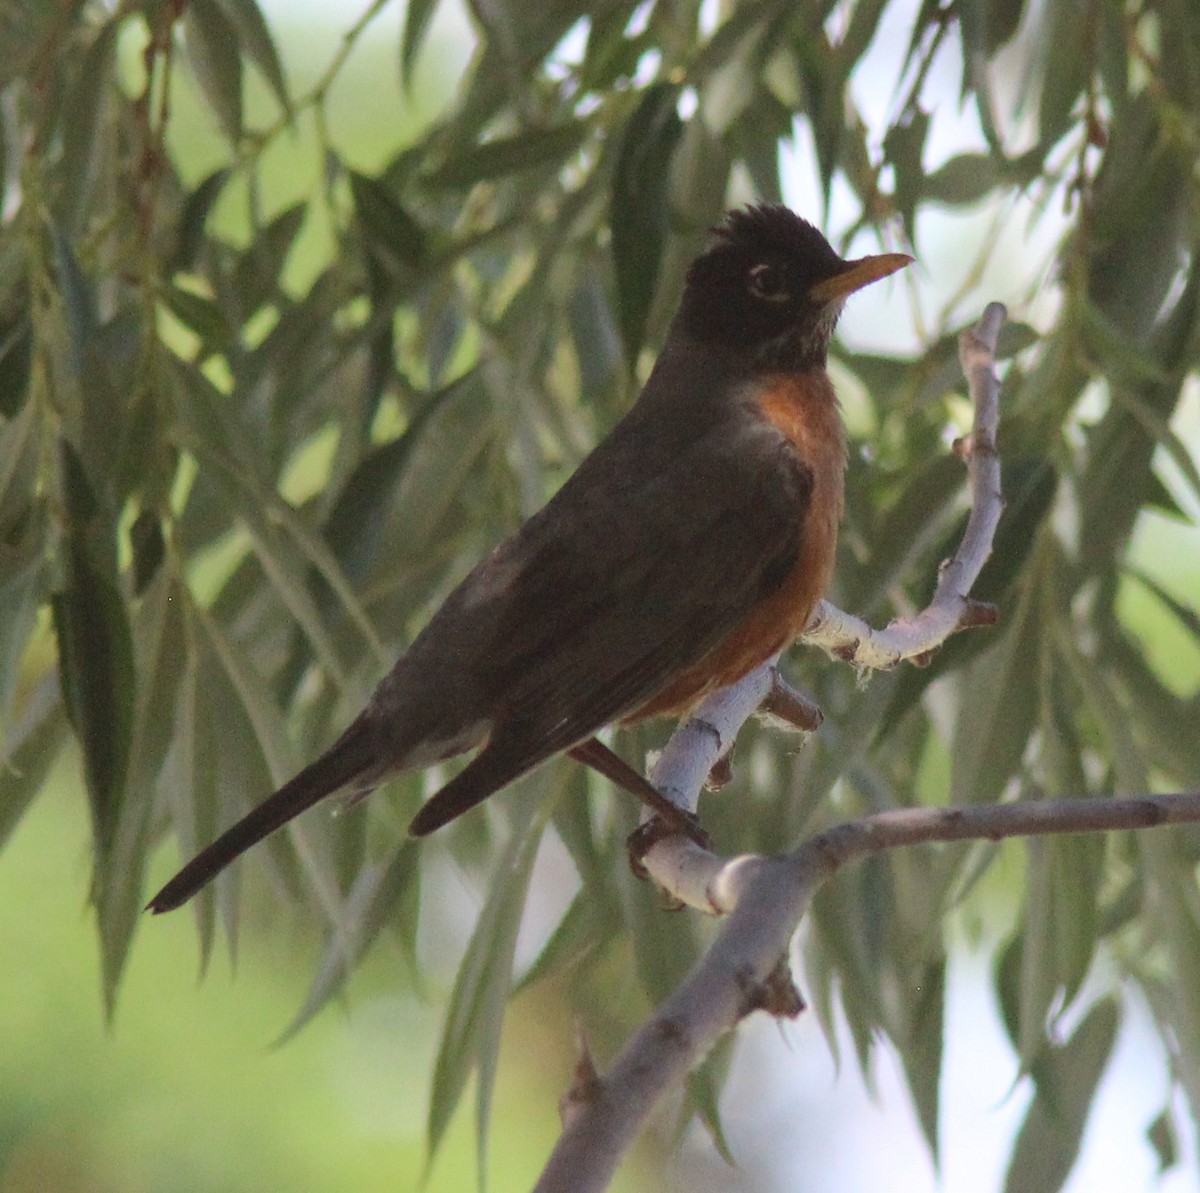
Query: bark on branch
(769, 897)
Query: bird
(689, 546)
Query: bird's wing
(605, 597)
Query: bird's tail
(352, 755)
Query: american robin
(689, 546)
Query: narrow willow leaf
(471, 1033)
(117, 891)
(1161, 1135)
(255, 700)
(256, 42)
(190, 228)
(1168, 726)
(1048, 1143)
(1059, 936)
(964, 179)
(207, 430)
(24, 586)
(189, 781)
(1065, 69)
(640, 214)
(95, 652)
(998, 710)
(990, 24)
(1126, 758)
(588, 923)
(551, 146)
(83, 112)
(417, 15)
(28, 753)
(1173, 928)
(354, 526)
(16, 356)
(704, 1086)
(256, 277)
(395, 238)
(201, 315)
(904, 149)
(369, 907)
(214, 54)
(1160, 429)
(921, 1051)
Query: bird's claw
(658, 828)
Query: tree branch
(769, 898)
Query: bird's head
(770, 286)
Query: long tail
(350, 756)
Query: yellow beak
(858, 274)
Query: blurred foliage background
(293, 328)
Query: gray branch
(773, 895)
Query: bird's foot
(658, 828)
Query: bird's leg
(672, 817)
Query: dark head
(772, 287)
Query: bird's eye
(767, 282)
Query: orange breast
(805, 409)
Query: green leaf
(922, 1050)
(190, 778)
(200, 315)
(1161, 1136)
(586, 926)
(704, 1086)
(256, 278)
(213, 51)
(282, 539)
(1065, 68)
(149, 549)
(84, 109)
(966, 178)
(396, 239)
(417, 14)
(1059, 937)
(18, 470)
(30, 751)
(498, 158)
(990, 24)
(370, 906)
(904, 148)
(1160, 430)
(1066, 1081)
(16, 357)
(471, 1033)
(997, 710)
(24, 586)
(256, 42)
(24, 26)
(1172, 926)
(640, 212)
(190, 228)
(96, 665)
(160, 651)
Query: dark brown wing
(609, 593)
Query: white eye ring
(767, 282)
